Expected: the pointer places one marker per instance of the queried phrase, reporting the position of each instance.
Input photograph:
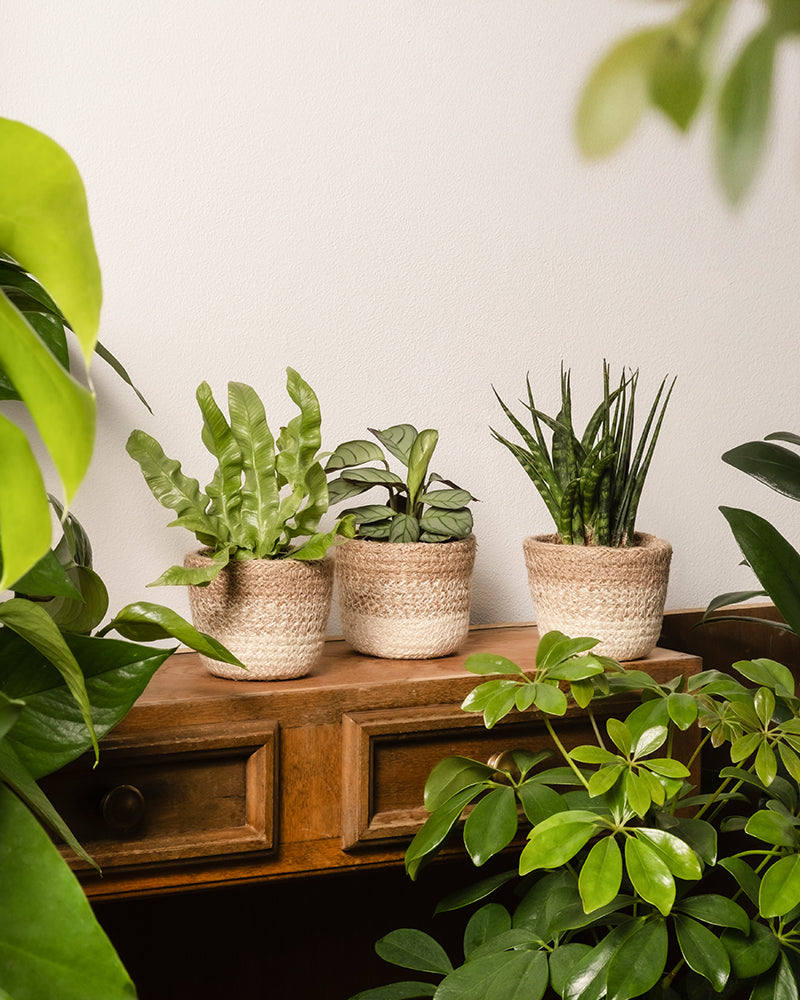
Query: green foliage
(416, 510)
(671, 68)
(591, 484)
(775, 562)
(265, 494)
(629, 882)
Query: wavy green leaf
(260, 496)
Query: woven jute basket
(405, 600)
(270, 613)
(616, 595)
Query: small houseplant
(404, 582)
(261, 582)
(596, 575)
(630, 882)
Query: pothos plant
(627, 881)
(416, 509)
(61, 688)
(592, 483)
(266, 498)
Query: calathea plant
(591, 484)
(629, 882)
(266, 497)
(416, 510)
(774, 560)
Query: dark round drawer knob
(123, 807)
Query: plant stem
(562, 750)
(595, 727)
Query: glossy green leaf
(591, 754)
(650, 741)
(492, 825)
(48, 578)
(774, 561)
(550, 699)
(50, 942)
(24, 511)
(617, 94)
(84, 613)
(452, 775)
(743, 114)
(649, 874)
(702, 951)
(637, 792)
(555, 648)
(430, 837)
(406, 990)
(479, 697)
(50, 732)
(714, 909)
(413, 949)
(780, 984)
(698, 834)
(620, 735)
(780, 887)
(563, 960)
(556, 840)
(639, 962)
(682, 709)
(539, 801)
(47, 230)
(751, 954)
(587, 980)
(577, 669)
(772, 464)
(500, 704)
(766, 764)
(486, 923)
(768, 673)
(745, 877)
(604, 779)
(491, 663)
(499, 976)
(676, 853)
(474, 893)
(601, 874)
(668, 768)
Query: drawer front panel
(210, 792)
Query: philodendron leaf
(50, 732)
(9, 712)
(772, 464)
(24, 510)
(743, 114)
(48, 578)
(146, 622)
(50, 942)
(617, 93)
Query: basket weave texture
(615, 595)
(270, 613)
(405, 600)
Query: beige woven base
(270, 613)
(405, 600)
(614, 595)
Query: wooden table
(211, 782)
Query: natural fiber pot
(271, 613)
(615, 595)
(405, 600)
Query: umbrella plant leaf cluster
(609, 873)
(591, 482)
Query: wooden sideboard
(211, 782)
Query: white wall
(386, 195)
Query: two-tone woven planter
(615, 595)
(271, 613)
(405, 600)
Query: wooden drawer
(388, 755)
(208, 791)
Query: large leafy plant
(266, 497)
(61, 688)
(670, 67)
(591, 484)
(416, 510)
(773, 559)
(628, 881)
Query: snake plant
(266, 497)
(591, 484)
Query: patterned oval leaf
(352, 453)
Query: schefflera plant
(590, 484)
(629, 882)
(266, 498)
(416, 510)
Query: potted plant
(261, 582)
(404, 582)
(629, 882)
(596, 575)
